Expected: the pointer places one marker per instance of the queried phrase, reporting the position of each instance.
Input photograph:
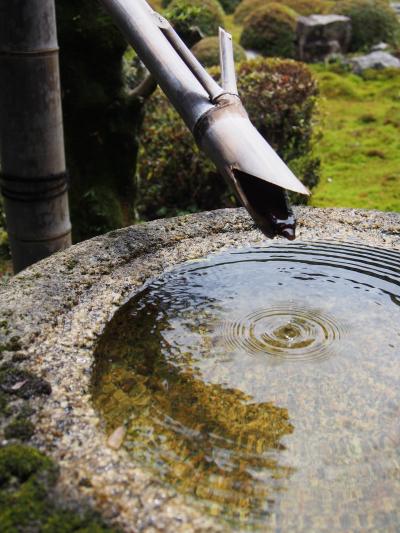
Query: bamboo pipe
(214, 115)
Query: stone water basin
(259, 391)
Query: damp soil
(264, 384)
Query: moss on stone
(27, 476)
(4, 408)
(66, 522)
(4, 324)
(27, 481)
(21, 428)
(23, 462)
(11, 345)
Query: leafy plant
(207, 52)
(372, 21)
(302, 7)
(174, 177)
(271, 30)
(4, 245)
(229, 5)
(206, 15)
(246, 8)
(310, 7)
(101, 123)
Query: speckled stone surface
(59, 307)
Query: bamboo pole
(33, 174)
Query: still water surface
(264, 384)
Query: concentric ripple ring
(284, 332)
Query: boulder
(376, 60)
(319, 36)
(396, 7)
(380, 47)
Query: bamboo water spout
(214, 114)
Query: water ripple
(284, 332)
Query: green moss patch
(360, 146)
(21, 428)
(27, 481)
(206, 15)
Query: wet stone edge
(50, 317)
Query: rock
(376, 60)
(380, 47)
(252, 54)
(319, 36)
(21, 383)
(396, 7)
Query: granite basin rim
(59, 307)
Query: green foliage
(271, 30)
(98, 211)
(302, 7)
(372, 21)
(229, 6)
(310, 7)
(174, 177)
(206, 15)
(280, 97)
(207, 52)
(308, 168)
(359, 150)
(133, 69)
(246, 8)
(101, 123)
(4, 245)
(91, 51)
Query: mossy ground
(360, 144)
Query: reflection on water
(264, 384)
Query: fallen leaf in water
(116, 438)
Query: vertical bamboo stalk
(33, 176)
